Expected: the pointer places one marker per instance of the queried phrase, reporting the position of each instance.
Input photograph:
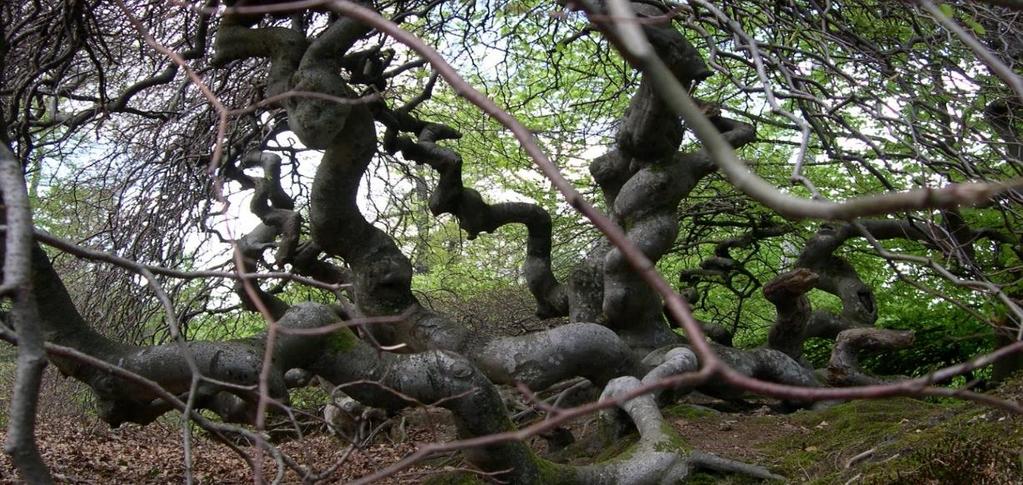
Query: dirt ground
(87, 452)
(891, 441)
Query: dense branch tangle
(617, 336)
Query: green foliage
(945, 334)
(470, 267)
(570, 88)
(213, 327)
(309, 398)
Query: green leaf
(974, 25)
(946, 9)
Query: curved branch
(236, 41)
(838, 277)
(844, 367)
(644, 180)
(476, 216)
(250, 249)
(792, 325)
(236, 362)
(646, 205)
(640, 52)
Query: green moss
(554, 473)
(967, 445)
(841, 432)
(624, 447)
(909, 441)
(342, 340)
(674, 441)
(688, 412)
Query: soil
(90, 452)
(890, 441)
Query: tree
(907, 113)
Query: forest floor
(888, 441)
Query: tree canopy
(209, 205)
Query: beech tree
(723, 160)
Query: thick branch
(791, 326)
(476, 216)
(645, 205)
(844, 366)
(24, 317)
(251, 247)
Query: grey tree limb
(843, 367)
(24, 318)
(476, 216)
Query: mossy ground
(897, 440)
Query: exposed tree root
(661, 455)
